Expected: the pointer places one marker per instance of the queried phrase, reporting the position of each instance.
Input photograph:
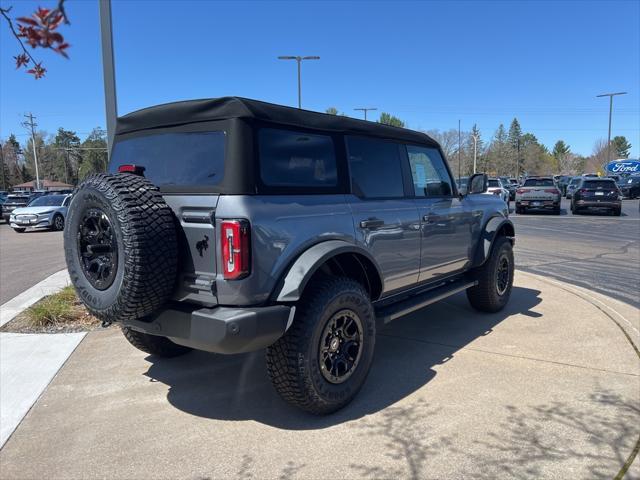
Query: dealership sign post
(623, 166)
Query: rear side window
(429, 173)
(296, 159)
(375, 167)
(538, 182)
(181, 159)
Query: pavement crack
(521, 357)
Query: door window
(430, 175)
(375, 166)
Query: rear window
(538, 182)
(595, 184)
(182, 159)
(375, 167)
(296, 159)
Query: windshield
(494, 183)
(181, 158)
(48, 201)
(13, 199)
(538, 182)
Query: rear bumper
(599, 204)
(221, 329)
(538, 203)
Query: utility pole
(365, 110)
(459, 152)
(610, 95)
(518, 161)
(475, 151)
(4, 181)
(32, 126)
(108, 71)
(299, 60)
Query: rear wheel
(556, 211)
(495, 279)
(616, 211)
(322, 361)
(154, 345)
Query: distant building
(48, 185)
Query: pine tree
(620, 146)
(388, 119)
(560, 154)
(332, 111)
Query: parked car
(495, 187)
(510, 187)
(46, 211)
(296, 231)
(630, 186)
(573, 183)
(597, 193)
(538, 193)
(12, 202)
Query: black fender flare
(298, 275)
(488, 236)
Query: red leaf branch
(38, 31)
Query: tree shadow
(597, 433)
(236, 387)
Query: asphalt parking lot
(535, 391)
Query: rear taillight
(583, 190)
(129, 168)
(236, 248)
(552, 190)
(520, 191)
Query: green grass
(55, 309)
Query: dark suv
(601, 193)
(230, 225)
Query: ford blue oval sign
(624, 166)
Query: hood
(34, 210)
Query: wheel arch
(495, 227)
(335, 257)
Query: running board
(391, 312)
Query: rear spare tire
(120, 245)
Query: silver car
(47, 211)
(538, 193)
(496, 187)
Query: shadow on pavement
(236, 387)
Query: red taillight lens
(128, 168)
(520, 191)
(552, 190)
(236, 249)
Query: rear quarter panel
(282, 227)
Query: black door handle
(372, 223)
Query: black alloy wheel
(503, 274)
(340, 346)
(97, 248)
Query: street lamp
(298, 60)
(610, 95)
(365, 110)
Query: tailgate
(537, 194)
(197, 247)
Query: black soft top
(225, 108)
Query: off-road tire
(293, 361)
(154, 345)
(57, 223)
(485, 296)
(143, 228)
(19, 230)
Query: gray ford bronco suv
(232, 225)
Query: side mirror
(478, 183)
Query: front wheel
(58, 223)
(322, 361)
(495, 279)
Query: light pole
(475, 150)
(298, 60)
(108, 71)
(610, 95)
(365, 110)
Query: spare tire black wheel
(121, 248)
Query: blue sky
(430, 63)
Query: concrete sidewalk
(548, 388)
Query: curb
(19, 303)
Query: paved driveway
(27, 258)
(548, 388)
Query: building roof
(224, 108)
(44, 184)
